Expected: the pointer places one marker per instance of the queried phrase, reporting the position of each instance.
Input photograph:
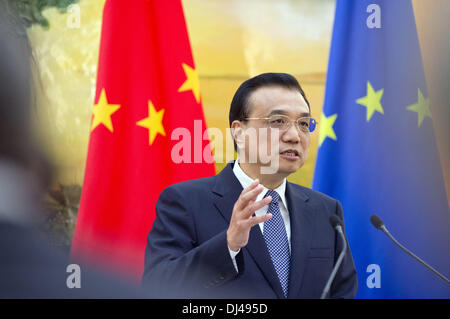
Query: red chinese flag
(147, 86)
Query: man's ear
(237, 130)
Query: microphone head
(376, 221)
(335, 221)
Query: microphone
(336, 223)
(378, 224)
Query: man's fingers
(252, 207)
(259, 219)
(250, 195)
(248, 189)
(252, 186)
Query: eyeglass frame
(291, 121)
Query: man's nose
(291, 135)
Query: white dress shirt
(246, 181)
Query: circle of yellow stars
(372, 102)
(103, 111)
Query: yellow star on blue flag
(422, 108)
(372, 101)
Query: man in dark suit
(247, 232)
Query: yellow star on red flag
(103, 111)
(191, 83)
(153, 122)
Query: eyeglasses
(283, 122)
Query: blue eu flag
(377, 151)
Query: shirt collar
(246, 181)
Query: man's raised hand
(242, 219)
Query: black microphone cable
(379, 224)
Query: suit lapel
(228, 189)
(301, 235)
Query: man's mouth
(290, 154)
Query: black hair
(239, 109)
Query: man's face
(291, 145)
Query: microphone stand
(338, 263)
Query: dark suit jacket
(187, 254)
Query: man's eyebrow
(275, 112)
(283, 112)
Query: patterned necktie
(277, 242)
